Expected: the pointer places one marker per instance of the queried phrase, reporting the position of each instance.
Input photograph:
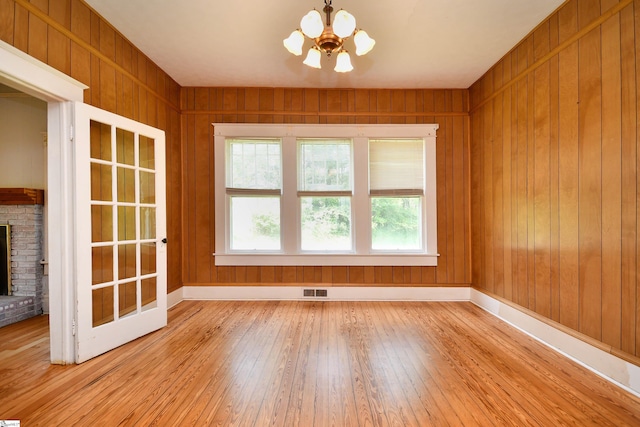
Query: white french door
(120, 217)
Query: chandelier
(328, 39)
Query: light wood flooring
(310, 363)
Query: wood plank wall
(449, 108)
(554, 173)
(69, 36)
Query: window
(325, 195)
(253, 189)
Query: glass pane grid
(324, 165)
(254, 164)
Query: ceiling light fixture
(329, 39)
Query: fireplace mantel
(21, 196)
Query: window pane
(254, 164)
(396, 223)
(325, 165)
(326, 223)
(255, 223)
(396, 164)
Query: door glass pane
(147, 187)
(147, 153)
(255, 223)
(101, 223)
(126, 185)
(396, 223)
(101, 184)
(326, 223)
(125, 147)
(126, 298)
(126, 261)
(126, 223)
(147, 258)
(100, 140)
(102, 307)
(101, 264)
(147, 223)
(148, 293)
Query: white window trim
(362, 255)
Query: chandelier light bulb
(311, 24)
(294, 42)
(343, 62)
(344, 24)
(313, 58)
(363, 42)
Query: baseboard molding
(338, 293)
(175, 297)
(620, 372)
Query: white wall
(23, 121)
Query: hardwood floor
(310, 363)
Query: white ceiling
(419, 43)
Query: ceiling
(419, 43)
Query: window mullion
(289, 203)
(361, 208)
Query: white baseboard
(608, 366)
(612, 368)
(175, 297)
(338, 293)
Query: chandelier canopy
(328, 38)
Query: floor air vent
(314, 293)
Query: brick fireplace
(22, 209)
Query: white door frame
(25, 73)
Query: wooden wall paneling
(60, 11)
(521, 194)
(59, 51)
(459, 196)
(554, 184)
(21, 28)
(107, 86)
(94, 83)
(515, 273)
(265, 96)
(568, 170)
(311, 105)
(530, 193)
(189, 188)
(37, 43)
(451, 201)
(488, 197)
(330, 105)
(497, 189)
(636, 6)
(441, 200)
(7, 16)
(204, 247)
(477, 212)
(107, 40)
(590, 173)
(611, 179)
(507, 178)
(398, 105)
(541, 184)
(629, 183)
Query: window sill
(424, 260)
